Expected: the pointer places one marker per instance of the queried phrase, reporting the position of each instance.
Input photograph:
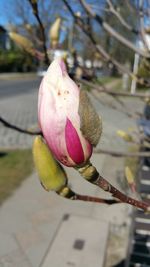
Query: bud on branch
(71, 127)
(68, 121)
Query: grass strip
(15, 166)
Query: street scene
(74, 137)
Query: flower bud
(67, 119)
(130, 179)
(51, 174)
(23, 42)
(54, 32)
(29, 28)
(127, 137)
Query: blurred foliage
(143, 71)
(16, 60)
(105, 79)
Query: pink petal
(73, 144)
(63, 67)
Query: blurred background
(106, 48)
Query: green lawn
(15, 166)
(105, 79)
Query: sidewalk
(20, 110)
(31, 218)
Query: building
(4, 39)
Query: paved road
(18, 105)
(16, 87)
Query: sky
(6, 5)
(3, 16)
(7, 17)
(5, 8)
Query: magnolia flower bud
(125, 136)
(67, 119)
(23, 42)
(54, 32)
(130, 179)
(29, 28)
(51, 174)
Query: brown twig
(66, 192)
(69, 194)
(106, 186)
(95, 199)
(36, 13)
(18, 129)
(90, 173)
(122, 154)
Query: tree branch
(130, 6)
(104, 89)
(75, 196)
(120, 18)
(122, 154)
(18, 129)
(90, 173)
(36, 13)
(96, 199)
(112, 32)
(108, 187)
(102, 51)
(110, 105)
